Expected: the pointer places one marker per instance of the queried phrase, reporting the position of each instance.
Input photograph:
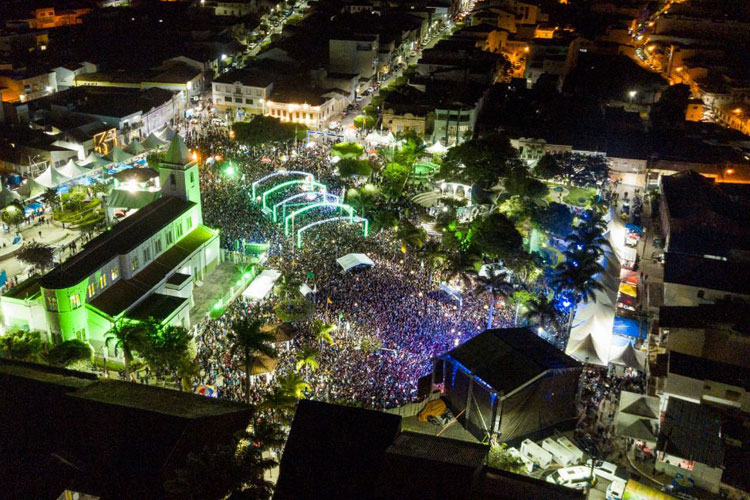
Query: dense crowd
(391, 306)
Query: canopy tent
(354, 260)
(72, 170)
(628, 289)
(94, 162)
(135, 148)
(8, 196)
(118, 155)
(166, 135)
(585, 351)
(437, 148)
(640, 430)
(152, 142)
(627, 356)
(282, 332)
(261, 286)
(262, 366)
(628, 276)
(51, 178)
(305, 290)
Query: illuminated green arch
(255, 184)
(277, 187)
(293, 215)
(365, 226)
(332, 198)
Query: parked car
(578, 477)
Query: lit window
(52, 302)
(134, 264)
(91, 290)
(75, 301)
(114, 273)
(102, 280)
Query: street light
(632, 94)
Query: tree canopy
(554, 218)
(345, 150)
(68, 352)
(479, 161)
(265, 129)
(37, 255)
(350, 167)
(495, 236)
(547, 167)
(20, 344)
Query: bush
(345, 150)
(68, 352)
(349, 168)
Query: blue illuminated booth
(509, 384)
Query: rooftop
(707, 369)
(157, 306)
(121, 239)
(247, 77)
(707, 273)
(335, 451)
(508, 358)
(123, 294)
(693, 432)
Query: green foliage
(370, 111)
(250, 343)
(235, 469)
(351, 168)
(364, 122)
(395, 176)
(364, 199)
(669, 113)
(347, 150)
(21, 345)
(555, 218)
(499, 458)
(547, 167)
(68, 352)
(295, 310)
(517, 208)
(479, 161)
(518, 183)
(75, 213)
(411, 236)
(13, 214)
(50, 197)
(495, 236)
(263, 130)
(37, 255)
(307, 357)
(164, 347)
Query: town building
(242, 92)
(25, 84)
(501, 381)
(66, 74)
(120, 439)
(311, 107)
(144, 266)
(353, 54)
(176, 76)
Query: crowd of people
(391, 306)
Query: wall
(704, 476)
(684, 295)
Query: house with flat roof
(144, 266)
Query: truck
(536, 453)
(574, 451)
(558, 452)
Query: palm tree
(187, 369)
(292, 384)
(251, 344)
(542, 311)
(307, 359)
(592, 242)
(322, 331)
(287, 287)
(411, 236)
(128, 336)
(463, 266)
(51, 198)
(434, 256)
(493, 287)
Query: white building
(242, 92)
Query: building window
(227, 99)
(192, 177)
(52, 302)
(701, 294)
(179, 229)
(170, 238)
(172, 180)
(75, 301)
(114, 273)
(190, 222)
(146, 254)
(134, 263)
(157, 246)
(102, 280)
(91, 290)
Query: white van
(574, 450)
(578, 477)
(535, 453)
(606, 470)
(616, 489)
(558, 452)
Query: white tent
(304, 289)
(354, 260)
(118, 155)
(94, 162)
(626, 355)
(50, 178)
(166, 135)
(135, 148)
(437, 148)
(586, 351)
(152, 142)
(72, 170)
(261, 286)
